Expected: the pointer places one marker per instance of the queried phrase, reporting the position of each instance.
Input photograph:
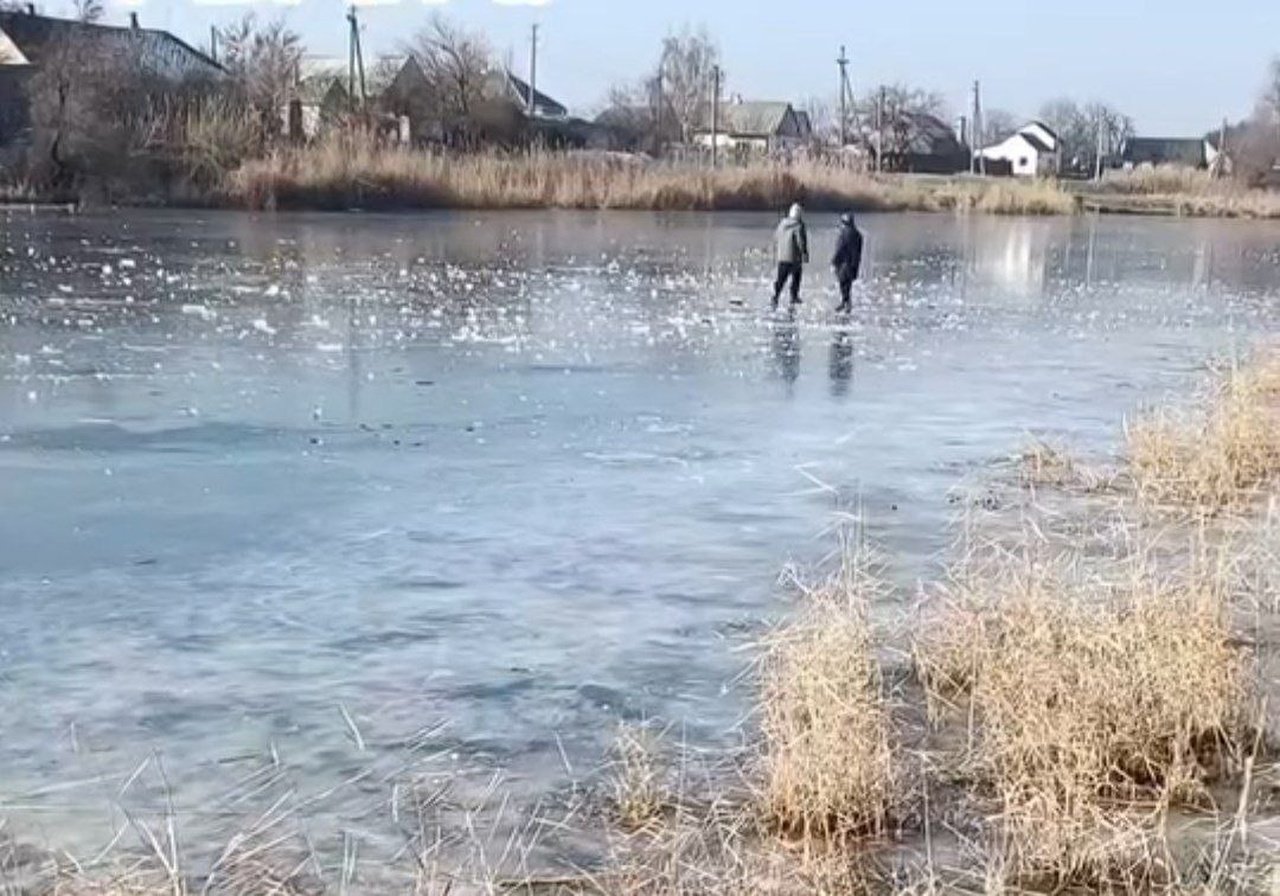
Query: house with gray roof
(28, 38)
(29, 41)
(1180, 152)
(754, 126)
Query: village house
(762, 127)
(919, 143)
(398, 95)
(1031, 152)
(1154, 152)
(29, 40)
(319, 99)
(505, 83)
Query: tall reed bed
(345, 172)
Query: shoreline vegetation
(349, 173)
(345, 174)
(1083, 701)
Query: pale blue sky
(1177, 67)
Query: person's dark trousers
(846, 290)
(788, 270)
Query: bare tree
(1078, 130)
(997, 125)
(1269, 101)
(686, 70)
(898, 112)
(1255, 149)
(91, 111)
(640, 117)
(89, 10)
(456, 65)
(264, 62)
(824, 117)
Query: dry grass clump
(1053, 465)
(723, 851)
(1009, 197)
(1185, 191)
(1092, 709)
(1217, 453)
(825, 720)
(639, 798)
(1163, 179)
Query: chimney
(133, 21)
(31, 9)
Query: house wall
(15, 116)
(1023, 158)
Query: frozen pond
(352, 492)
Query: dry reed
(1092, 707)
(1184, 191)
(825, 720)
(1219, 451)
(639, 797)
(347, 171)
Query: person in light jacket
(793, 253)
(847, 260)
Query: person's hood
(846, 220)
(796, 212)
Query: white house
(1032, 152)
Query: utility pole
(355, 28)
(658, 109)
(1097, 161)
(355, 61)
(715, 116)
(880, 131)
(843, 62)
(351, 58)
(533, 72)
(979, 161)
(1223, 159)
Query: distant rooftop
(34, 36)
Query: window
(1022, 162)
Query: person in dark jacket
(792, 240)
(848, 259)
